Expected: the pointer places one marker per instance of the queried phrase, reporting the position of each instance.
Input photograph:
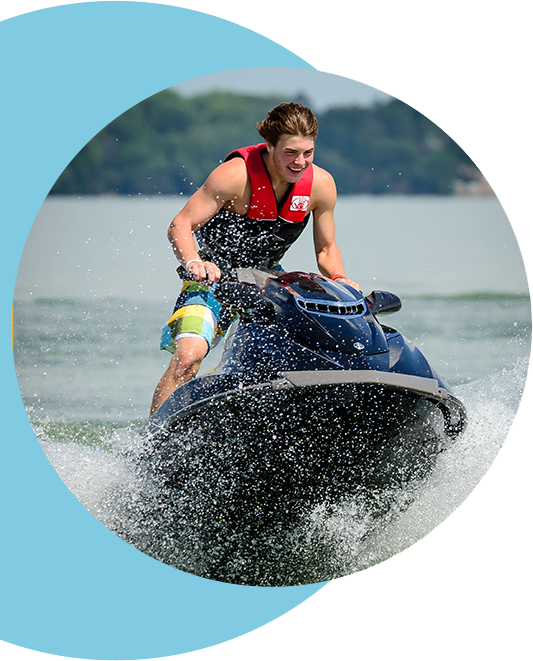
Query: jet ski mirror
(383, 302)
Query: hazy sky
(322, 89)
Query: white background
(464, 591)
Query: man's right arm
(223, 186)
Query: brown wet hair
(288, 119)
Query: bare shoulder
(228, 180)
(324, 191)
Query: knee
(188, 356)
(188, 361)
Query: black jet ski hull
(305, 437)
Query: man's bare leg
(184, 365)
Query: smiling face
(289, 159)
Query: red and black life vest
(260, 238)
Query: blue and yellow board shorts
(196, 313)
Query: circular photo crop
(271, 326)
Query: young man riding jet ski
(248, 213)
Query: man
(249, 212)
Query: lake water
(97, 281)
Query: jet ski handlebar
(255, 277)
(240, 288)
(378, 302)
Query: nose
(300, 159)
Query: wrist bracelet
(191, 261)
(337, 276)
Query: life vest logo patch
(299, 203)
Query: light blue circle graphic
(69, 586)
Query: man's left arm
(328, 254)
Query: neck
(279, 184)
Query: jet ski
(313, 399)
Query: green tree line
(168, 144)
